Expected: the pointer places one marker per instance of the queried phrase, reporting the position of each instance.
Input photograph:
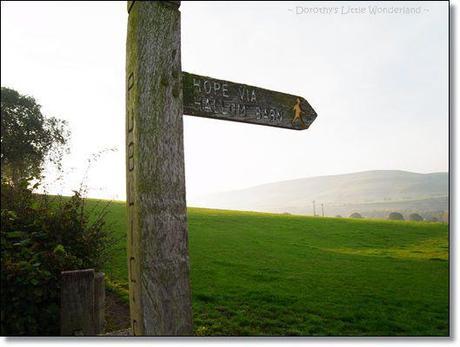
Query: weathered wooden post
(99, 303)
(77, 302)
(160, 297)
(82, 303)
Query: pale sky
(379, 83)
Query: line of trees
(399, 216)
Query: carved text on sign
(219, 99)
(214, 97)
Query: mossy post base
(160, 297)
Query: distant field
(267, 274)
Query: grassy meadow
(268, 274)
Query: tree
(444, 217)
(415, 217)
(395, 216)
(28, 138)
(356, 215)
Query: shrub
(356, 215)
(395, 216)
(40, 237)
(415, 217)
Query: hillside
(267, 274)
(372, 193)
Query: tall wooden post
(160, 297)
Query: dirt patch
(116, 313)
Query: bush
(356, 215)
(415, 217)
(395, 216)
(40, 237)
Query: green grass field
(267, 274)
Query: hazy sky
(378, 81)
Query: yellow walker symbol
(298, 114)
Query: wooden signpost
(158, 93)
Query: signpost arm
(160, 296)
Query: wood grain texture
(77, 303)
(99, 303)
(218, 99)
(160, 297)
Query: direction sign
(218, 99)
(157, 232)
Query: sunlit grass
(431, 249)
(268, 274)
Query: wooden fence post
(82, 303)
(99, 303)
(77, 302)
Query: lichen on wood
(160, 297)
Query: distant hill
(372, 193)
